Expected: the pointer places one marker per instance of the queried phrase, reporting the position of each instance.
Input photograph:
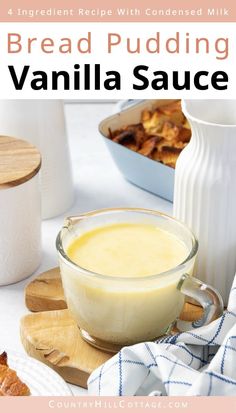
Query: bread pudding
(161, 134)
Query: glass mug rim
(86, 272)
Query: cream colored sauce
(125, 311)
(127, 250)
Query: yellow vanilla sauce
(125, 311)
(127, 250)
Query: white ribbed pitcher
(205, 189)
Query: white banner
(117, 60)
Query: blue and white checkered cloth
(200, 362)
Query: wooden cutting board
(45, 292)
(53, 338)
(51, 335)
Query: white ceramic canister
(20, 210)
(205, 182)
(42, 122)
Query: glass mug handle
(209, 299)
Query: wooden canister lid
(19, 161)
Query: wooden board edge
(69, 374)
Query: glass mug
(111, 311)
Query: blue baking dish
(144, 172)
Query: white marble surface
(98, 184)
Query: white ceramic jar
(20, 210)
(42, 123)
(205, 182)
